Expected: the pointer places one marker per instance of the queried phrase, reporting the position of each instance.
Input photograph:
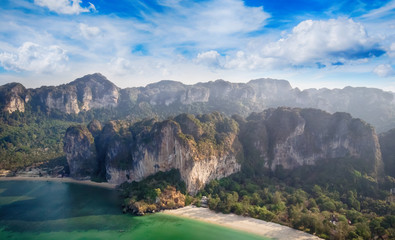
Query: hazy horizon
(145, 85)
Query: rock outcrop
(80, 152)
(83, 94)
(133, 152)
(13, 97)
(295, 137)
(89, 92)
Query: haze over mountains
(166, 98)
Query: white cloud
(120, 66)
(210, 58)
(89, 32)
(323, 41)
(250, 61)
(228, 17)
(65, 6)
(310, 44)
(384, 70)
(210, 24)
(35, 58)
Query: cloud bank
(311, 43)
(35, 58)
(199, 40)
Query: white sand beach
(64, 179)
(251, 225)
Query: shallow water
(56, 210)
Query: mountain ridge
(168, 98)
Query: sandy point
(247, 224)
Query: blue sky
(310, 43)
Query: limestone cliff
(83, 94)
(207, 147)
(295, 137)
(13, 97)
(387, 144)
(95, 91)
(80, 152)
(133, 152)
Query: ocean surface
(57, 210)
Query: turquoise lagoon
(58, 210)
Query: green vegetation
(331, 200)
(209, 133)
(163, 190)
(336, 199)
(27, 138)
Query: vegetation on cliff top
(209, 134)
(163, 190)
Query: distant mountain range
(169, 98)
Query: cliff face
(387, 144)
(13, 97)
(83, 94)
(80, 152)
(207, 147)
(295, 137)
(162, 150)
(95, 91)
(63, 99)
(133, 152)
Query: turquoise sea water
(56, 210)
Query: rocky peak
(94, 127)
(166, 85)
(96, 91)
(268, 83)
(13, 97)
(165, 93)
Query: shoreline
(241, 223)
(64, 179)
(233, 221)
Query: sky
(312, 44)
